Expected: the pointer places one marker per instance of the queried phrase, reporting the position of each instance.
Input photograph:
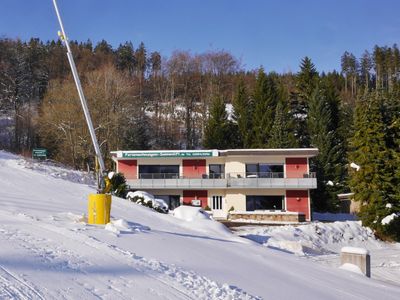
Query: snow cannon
(99, 205)
(99, 208)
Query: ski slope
(48, 252)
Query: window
(264, 170)
(173, 201)
(158, 171)
(216, 202)
(217, 171)
(264, 203)
(251, 170)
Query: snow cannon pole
(64, 38)
(99, 205)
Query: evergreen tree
(136, 136)
(242, 115)
(125, 58)
(141, 60)
(306, 81)
(265, 100)
(328, 162)
(372, 183)
(307, 78)
(349, 69)
(216, 130)
(282, 132)
(365, 68)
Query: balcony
(223, 181)
(271, 180)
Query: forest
(140, 99)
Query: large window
(264, 203)
(217, 171)
(264, 170)
(158, 171)
(173, 201)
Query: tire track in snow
(11, 287)
(199, 287)
(186, 284)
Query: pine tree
(306, 81)
(265, 101)
(136, 136)
(372, 183)
(282, 132)
(141, 60)
(365, 68)
(125, 58)
(242, 115)
(307, 78)
(329, 158)
(215, 135)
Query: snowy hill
(47, 252)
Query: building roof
(304, 152)
(293, 152)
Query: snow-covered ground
(322, 242)
(48, 251)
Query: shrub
(118, 185)
(389, 232)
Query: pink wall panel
(128, 168)
(296, 167)
(298, 201)
(194, 168)
(188, 196)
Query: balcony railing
(271, 180)
(230, 180)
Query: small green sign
(39, 153)
(166, 154)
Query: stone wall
(265, 217)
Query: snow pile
(355, 166)
(159, 204)
(355, 250)
(313, 239)
(118, 226)
(190, 213)
(351, 268)
(330, 217)
(386, 220)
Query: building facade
(238, 181)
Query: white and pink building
(246, 183)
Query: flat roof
(303, 152)
(307, 152)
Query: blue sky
(275, 34)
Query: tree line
(142, 100)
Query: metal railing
(257, 175)
(177, 176)
(159, 176)
(230, 180)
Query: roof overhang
(164, 154)
(292, 152)
(134, 154)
